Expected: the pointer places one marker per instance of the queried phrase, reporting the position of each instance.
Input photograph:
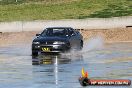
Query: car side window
(67, 32)
(44, 32)
(72, 32)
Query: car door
(74, 39)
(78, 38)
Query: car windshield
(54, 32)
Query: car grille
(47, 43)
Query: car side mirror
(37, 34)
(73, 34)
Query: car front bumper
(50, 48)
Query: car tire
(34, 53)
(81, 45)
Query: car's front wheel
(34, 53)
(81, 45)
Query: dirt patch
(16, 38)
(109, 35)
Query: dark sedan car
(57, 39)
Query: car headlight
(58, 42)
(36, 42)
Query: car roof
(58, 27)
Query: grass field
(28, 10)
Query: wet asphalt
(19, 69)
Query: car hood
(43, 39)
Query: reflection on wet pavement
(50, 59)
(55, 70)
(18, 69)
